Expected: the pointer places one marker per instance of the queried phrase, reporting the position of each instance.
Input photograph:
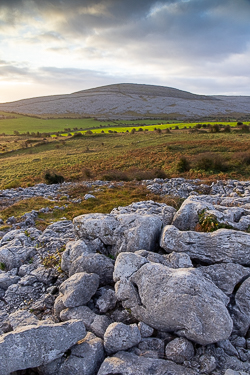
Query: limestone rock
(78, 289)
(177, 300)
(179, 350)
(93, 322)
(130, 364)
(22, 318)
(241, 310)
(119, 336)
(94, 263)
(85, 358)
(107, 300)
(165, 212)
(225, 275)
(145, 330)
(125, 232)
(223, 245)
(33, 346)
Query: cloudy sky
(63, 46)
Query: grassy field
(24, 124)
(127, 156)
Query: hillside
(129, 101)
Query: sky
(63, 46)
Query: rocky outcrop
(150, 289)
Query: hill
(130, 101)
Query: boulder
(176, 300)
(74, 249)
(186, 218)
(16, 248)
(241, 309)
(33, 346)
(119, 233)
(163, 211)
(225, 275)
(223, 245)
(78, 289)
(22, 318)
(84, 358)
(124, 363)
(94, 263)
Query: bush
(215, 128)
(210, 162)
(53, 178)
(183, 165)
(77, 135)
(227, 129)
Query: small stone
(179, 350)
(119, 336)
(146, 331)
(208, 364)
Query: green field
(24, 124)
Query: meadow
(190, 153)
(23, 124)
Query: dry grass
(126, 156)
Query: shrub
(183, 165)
(53, 178)
(227, 129)
(210, 162)
(78, 135)
(115, 175)
(86, 173)
(215, 128)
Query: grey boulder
(78, 289)
(223, 245)
(241, 309)
(165, 212)
(33, 346)
(124, 363)
(225, 275)
(119, 233)
(85, 358)
(176, 300)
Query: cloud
(170, 42)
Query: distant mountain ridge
(130, 101)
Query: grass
(100, 155)
(33, 124)
(24, 124)
(118, 196)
